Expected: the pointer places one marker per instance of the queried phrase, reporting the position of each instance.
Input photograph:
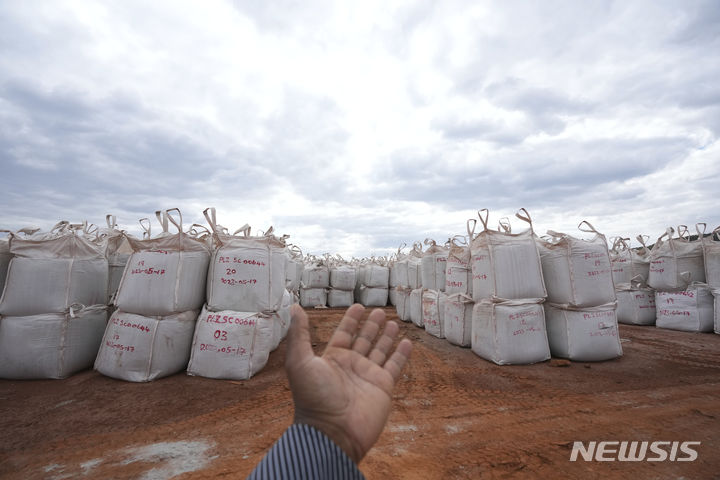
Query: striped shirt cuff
(303, 452)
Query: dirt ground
(454, 416)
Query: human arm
(347, 392)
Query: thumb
(299, 348)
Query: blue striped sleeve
(303, 452)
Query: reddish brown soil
(455, 416)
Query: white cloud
(356, 127)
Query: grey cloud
(551, 175)
(702, 24)
(545, 110)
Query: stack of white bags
(314, 283)
(248, 307)
(677, 273)
(373, 282)
(433, 267)
(161, 291)
(508, 320)
(630, 272)
(406, 275)
(580, 312)
(343, 279)
(54, 303)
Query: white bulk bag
(284, 314)
(230, 345)
(293, 274)
(393, 296)
(628, 263)
(343, 277)
(281, 320)
(313, 297)
(584, 334)
(395, 279)
(373, 296)
(416, 313)
(458, 274)
(49, 274)
(711, 255)
(247, 273)
(315, 275)
(293, 267)
(403, 303)
(577, 272)
(340, 298)
(676, 262)
(458, 319)
(636, 305)
(166, 274)
(432, 267)
(431, 313)
(6, 255)
(414, 267)
(691, 310)
(401, 267)
(139, 348)
(506, 265)
(510, 332)
(376, 276)
(51, 345)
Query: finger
(364, 341)
(398, 359)
(384, 344)
(344, 333)
(299, 347)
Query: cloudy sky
(357, 126)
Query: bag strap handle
(458, 240)
(431, 242)
(161, 216)
(587, 227)
(504, 225)
(26, 230)
(417, 248)
(211, 217)
(91, 229)
(525, 217)
(483, 215)
(245, 229)
(60, 227)
(146, 226)
(111, 221)
(683, 233)
(471, 231)
(178, 223)
(197, 230)
(669, 231)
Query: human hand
(347, 392)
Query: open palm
(347, 392)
